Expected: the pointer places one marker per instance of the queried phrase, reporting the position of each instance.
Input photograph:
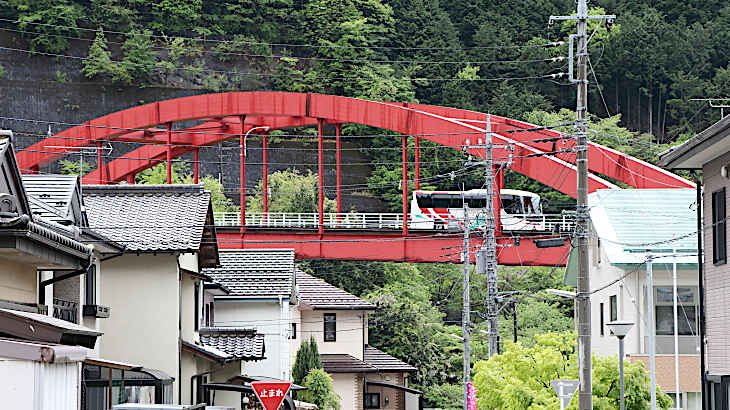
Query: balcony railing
(66, 310)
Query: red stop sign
(271, 394)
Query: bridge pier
(168, 154)
(265, 173)
(320, 176)
(338, 160)
(417, 170)
(196, 165)
(404, 183)
(242, 176)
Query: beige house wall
(349, 387)
(395, 398)
(18, 281)
(717, 285)
(189, 334)
(143, 294)
(350, 331)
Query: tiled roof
(319, 294)
(51, 196)
(240, 343)
(385, 362)
(206, 351)
(255, 273)
(344, 363)
(149, 218)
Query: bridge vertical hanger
(131, 178)
(242, 177)
(168, 154)
(99, 163)
(338, 150)
(196, 165)
(404, 162)
(320, 175)
(265, 172)
(417, 171)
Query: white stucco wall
(350, 331)
(631, 300)
(143, 294)
(18, 282)
(267, 317)
(188, 283)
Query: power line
(163, 67)
(279, 57)
(236, 42)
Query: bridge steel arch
(225, 116)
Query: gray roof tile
(344, 363)
(149, 218)
(240, 343)
(385, 362)
(255, 273)
(319, 294)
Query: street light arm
(264, 128)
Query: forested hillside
(487, 55)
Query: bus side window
(511, 204)
(424, 201)
(440, 201)
(477, 203)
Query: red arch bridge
(382, 237)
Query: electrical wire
(164, 67)
(235, 42)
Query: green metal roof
(633, 222)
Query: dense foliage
(519, 378)
(307, 358)
(320, 390)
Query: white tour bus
(521, 210)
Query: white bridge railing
(541, 223)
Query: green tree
(48, 23)
(291, 191)
(69, 167)
(99, 59)
(320, 390)
(307, 358)
(140, 58)
(519, 377)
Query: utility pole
(582, 301)
(466, 306)
(488, 251)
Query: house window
(90, 286)
(197, 306)
(372, 400)
(330, 327)
(293, 332)
(602, 330)
(613, 308)
(686, 311)
(719, 246)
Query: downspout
(179, 331)
(701, 286)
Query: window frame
(603, 321)
(90, 285)
(331, 320)
(293, 331)
(694, 305)
(197, 306)
(719, 228)
(613, 308)
(369, 405)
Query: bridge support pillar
(497, 200)
(131, 178)
(196, 165)
(242, 176)
(168, 156)
(265, 173)
(99, 163)
(338, 151)
(417, 170)
(404, 181)
(320, 175)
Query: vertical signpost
(565, 389)
(271, 394)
